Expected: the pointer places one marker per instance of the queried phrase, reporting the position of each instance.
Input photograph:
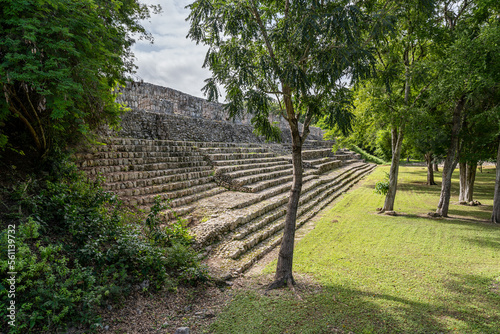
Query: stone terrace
(230, 185)
(234, 195)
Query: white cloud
(173, 60)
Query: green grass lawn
(383, 274)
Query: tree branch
(40, 125)
(265, 35)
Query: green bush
(77, 248)
(382, 187)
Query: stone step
(133, 155)
(164, 188)
(271, 192)
(183, 201)
(138, 161)
(225, 144)
(142, 148)
(317, 153)
(318, 161)
(138, 175)
(214, 229)
(310, 189)
(136, 141)
(230, 267)
(229, 150)
(154, 181)
(248, 238)
(144, 167)
(253, 160)
(258, 170)
(268, 183)
(255, 178)
(180, 212)
(342, 157)
(178, 197)
(239, 156)
(238, 167)
(328, 166)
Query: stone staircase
(138, 170)
(234, 227)
(248, 230)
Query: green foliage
(165, 235)
(77, 248)
(382, 187)
(297, 52)
(367, 156)
(50, 288)
(60, 60)
(384, 145)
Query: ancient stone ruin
(229, 184)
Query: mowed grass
(388, 274)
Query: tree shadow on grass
(465, 219)
(336, 309)
(455, 209)
(486, 242)
(475, 300)
(468, 304)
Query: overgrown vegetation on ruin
(78, 249)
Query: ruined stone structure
(164, 113)
(228, 183)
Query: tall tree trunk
(462, 169)
(495, 216)
(284, 274)
(470, 177)
(430, 171)
(450, 161)
(397, 143)
(436, 167)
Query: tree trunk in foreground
(430, 170)
(467, 178)
(450, 162)
(495, 216)
(284, 274)
(397, 143)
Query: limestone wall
(164, 113)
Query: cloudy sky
(173, 60)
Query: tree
(466, 71)
(296, 51)
(60, 60)
(480, 129)
(401, 79)
(427, 138)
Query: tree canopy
(297, 52)
(60, 60)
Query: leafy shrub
(165, 235)
(49, 289)
(77, 248)
(382, 187)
